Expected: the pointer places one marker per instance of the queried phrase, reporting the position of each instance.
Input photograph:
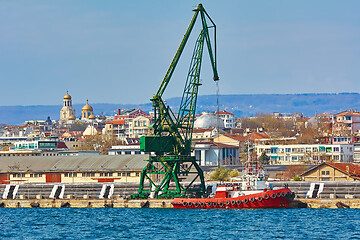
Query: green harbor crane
(172, 134)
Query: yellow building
(137, 127)
(328, 171)
(234, 140)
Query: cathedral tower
(67, 112)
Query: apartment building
(307, 153)
(137, 127)
(228, 118)
(129, 124)
(346, 123)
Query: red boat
(252, 192)
(233, 197)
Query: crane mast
(172, 134)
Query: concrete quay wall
(326, 203)
(154, 203)
(82, 203)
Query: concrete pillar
(203, 157)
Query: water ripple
(167, 224)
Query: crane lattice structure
(172, 134)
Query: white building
(228, 118)
(307, 153)
(208, 120)
(212, 154)
(125, 150)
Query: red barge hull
(279, 198)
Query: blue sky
(119, 51)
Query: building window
(124, 174)
(128, 174)
(101, 174)
(137, 174)
(83, 174)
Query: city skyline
(119, 52)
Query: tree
(234, 173)
(264, 159)
(294, 171)
(99, 142)
(276, 126)
(220, 174)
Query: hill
(241, 105)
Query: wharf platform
(85, 203)
(155, 203)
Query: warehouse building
(71, 169)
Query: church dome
(72, 118)
(87, 107)
(209, 120)
(92, 116)
(67, 96)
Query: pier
(116, 195)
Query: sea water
(123, 223)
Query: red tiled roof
(347, 113)
(223, 112)
(257, 135)
(24, 126)
(120, 121)
(347, 168)
(202, 130)
(304, 119)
